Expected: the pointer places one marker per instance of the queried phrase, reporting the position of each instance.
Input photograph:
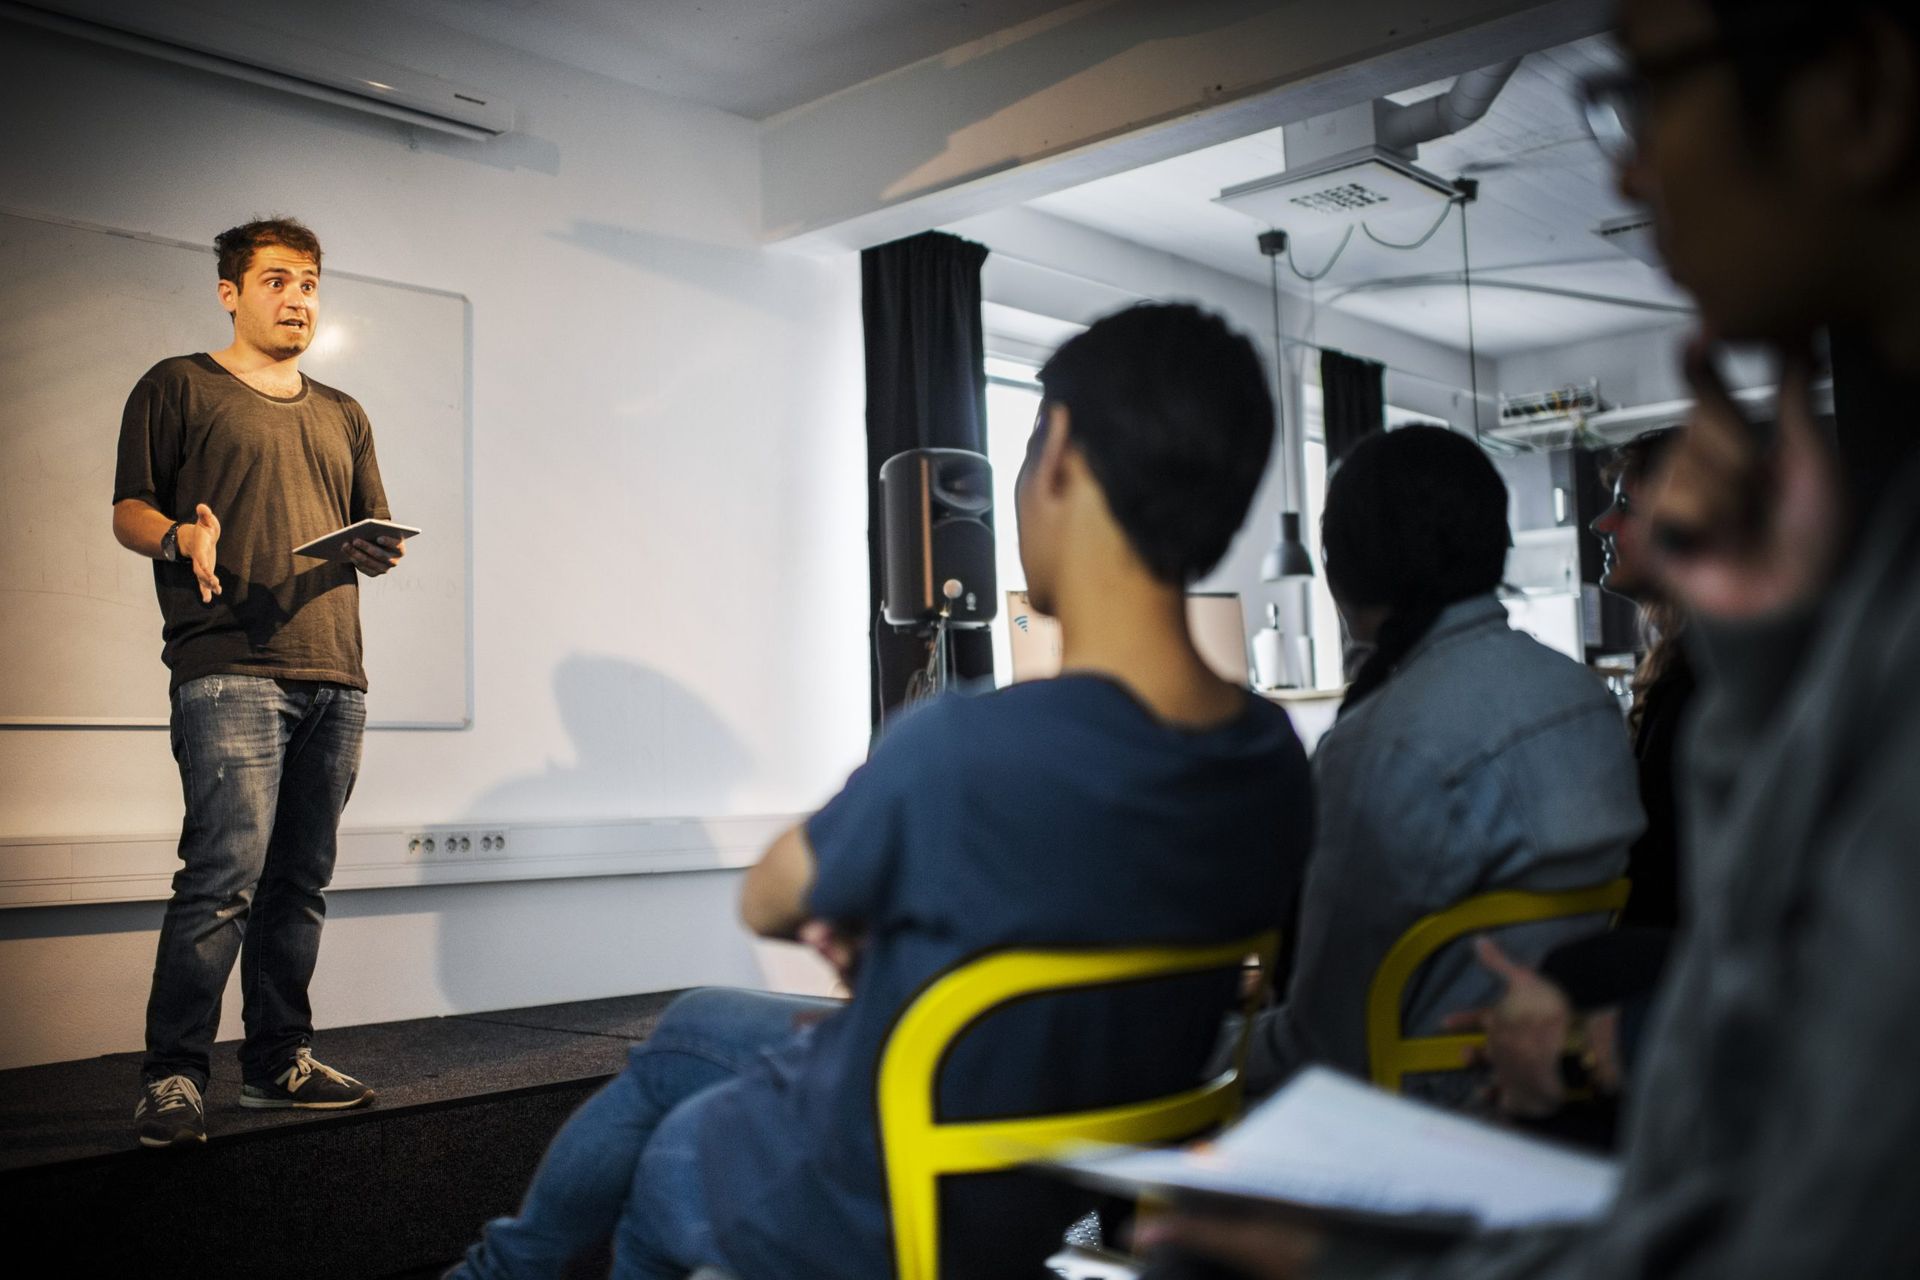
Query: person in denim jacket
(1467, 757)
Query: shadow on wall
(643, 744)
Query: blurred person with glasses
(1775, 1129)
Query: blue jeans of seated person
(266, 766)
(626, 1164)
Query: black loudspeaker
(936, 547)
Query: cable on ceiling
(1321, 273)
(1280, 376)
(1466, 278)
(1414, 244)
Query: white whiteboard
(84, 311)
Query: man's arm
(139, 527)
(773, 897)
(372, 557)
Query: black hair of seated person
(1415, 520)
(1767, 41)
(1170, 408)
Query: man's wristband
(170, 541)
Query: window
(1013, 400)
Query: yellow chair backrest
(917, 1148)
(1392, 1056)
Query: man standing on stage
(227, 461)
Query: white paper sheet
(1331, 1143)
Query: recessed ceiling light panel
(1370, 182)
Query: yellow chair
(918, 1149)
(1392, 1056)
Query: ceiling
(1544, 185)
(755, 58)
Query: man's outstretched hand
(199, 542)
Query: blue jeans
(266, 766)
(626, 1164)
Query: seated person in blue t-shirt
(1135, 799)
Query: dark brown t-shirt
(277, 473)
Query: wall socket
(456, 844)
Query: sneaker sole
(288, 1104)
(185, 1140)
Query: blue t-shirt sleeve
(859, 836)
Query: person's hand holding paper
(1329, 1153)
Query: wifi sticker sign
(1020, 621)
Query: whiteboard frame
(465, 722)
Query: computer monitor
(1214, 618)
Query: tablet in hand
(333, 546)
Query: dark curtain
(1353, 400)
(926, 389)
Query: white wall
(1636, 368)
(669, 595)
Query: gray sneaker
(308, 1084)
(170, 1113)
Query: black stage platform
(466, 1105)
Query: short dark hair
(1170, 408)
(1415, 520)
(1413, 517)
(237, 245)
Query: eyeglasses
(1616, 103)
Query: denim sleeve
(1381, 814)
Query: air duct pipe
(1445, 113)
